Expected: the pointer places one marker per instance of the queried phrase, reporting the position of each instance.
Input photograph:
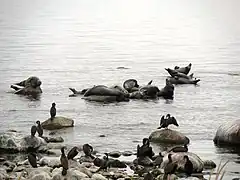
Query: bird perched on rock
(188, 167)
(72, 153)
(33, 130)
(179, 149)
(53, 111)
(88, 149)
(170, 167)
(165, 122)
(158, 161)
(145, 149)
(104, 163)
(64, 162)
(32, 159)
(39, 129)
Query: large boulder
(168, 136)
(228, 134)
(32, 142)
(178, 158)
(30, 86)
(57, 123)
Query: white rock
(98, 177)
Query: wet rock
(116, 163)
(29, 142)
(102, 135)
(228, 134)
(115, 154)
(168, 136)
(19, 168)
(143, 161)
(178, 158)
(54, 139)
(9, 166)
(57, 123)
(127, 153)
(98, 177)
(85, 159)
(209, 164)
(2, 159)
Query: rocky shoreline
(15, 165)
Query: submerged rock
(168, 136)
(57, 123)
(115, 154)
(228, 134)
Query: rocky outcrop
(168, 136)
(228, 134)
(57, 123)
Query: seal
(180, 80)
(53, 111)
(174, 73)
(64, 162)
(184, 70)
(131, 85)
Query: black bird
(53, 111)
(88, 149)
(33, 130)
(64, 162)
(72, 153)
(145, 149)
(165, 122)
(188, 167)
(32, 159)
(148, 176)
(39, 129)
(158, 161)
(179, 149)
(104, 163)
(170, 167)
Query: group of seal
(179, 75)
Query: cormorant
(104, 163)
(39, 129)
(33, 130)
(165, 122)
(170, 167)
(158, 161)
(88, 149)
(64, 162)
(53, 111)
(32, 159)
(188, 167)
(72, 153)
(145, 149)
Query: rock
(85, 159)
(171, 177)
(228, 134)
(3, 174)
(32, 142)
(57, 123)
(2, 159)
(209, 164)
(143, 161)
(54, 139)
(72, 174)
(19, 168)
(168, 136)
(115, 154)
(178, 158)
(127, 153)
(98, 177)
(10, 166)
(50, 161)
(39, 175)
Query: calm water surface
(81, 43)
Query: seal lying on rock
(168, 91)
(30, 86)
(180, 80)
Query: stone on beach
(168, 136)
(228, 134)
(57, 123)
